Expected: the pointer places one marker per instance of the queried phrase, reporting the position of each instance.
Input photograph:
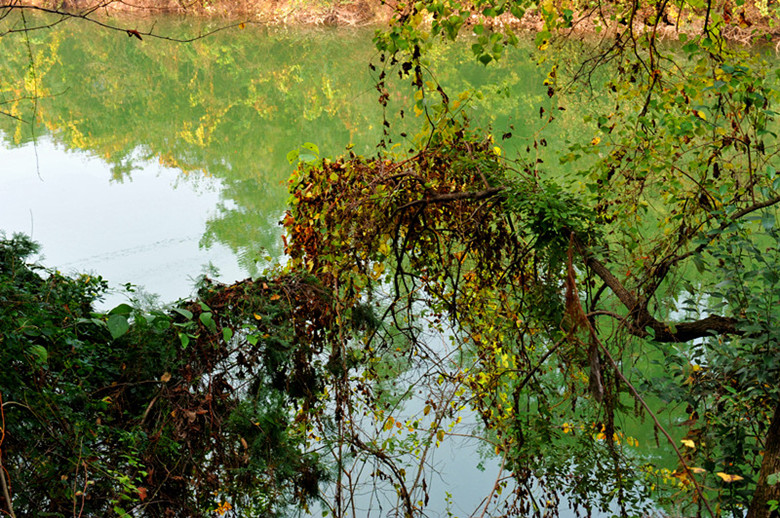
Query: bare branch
(455, 196)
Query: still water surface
(151, 162)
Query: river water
(148, 160)
(152, 163)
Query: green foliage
(553, 284)
(561, 302)
(117, 412)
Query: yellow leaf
(165, 378)
(698, 470)
(389, 423)
(595, 141)
(729, 478)
(440, 435)
(258, 317)
(241, 25)
(689, 443)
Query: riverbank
(272, 12)
(742, 25)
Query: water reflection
(148, 161)
(144, 232)
(223, 112)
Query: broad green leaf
(117, 325)
(122, 309)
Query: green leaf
(39, 353)
(701, 267)
(185, 340)
(208, 321)
(117, 325)
(311, 147)
(227, 334)
(768, 221)
(517, 11)
(292, 156)
(485, 59)
(183, 312)
(122, 309)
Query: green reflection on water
(232, 105)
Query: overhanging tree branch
(640, 319)
(454, 196)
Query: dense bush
(158, 413)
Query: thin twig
(658, 424)
(495, 487)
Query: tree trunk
(769, 465)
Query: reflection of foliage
(445, 229)
(549, 292)
(167, 413)
(230, 106)
(556, 284)
(682, 156)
